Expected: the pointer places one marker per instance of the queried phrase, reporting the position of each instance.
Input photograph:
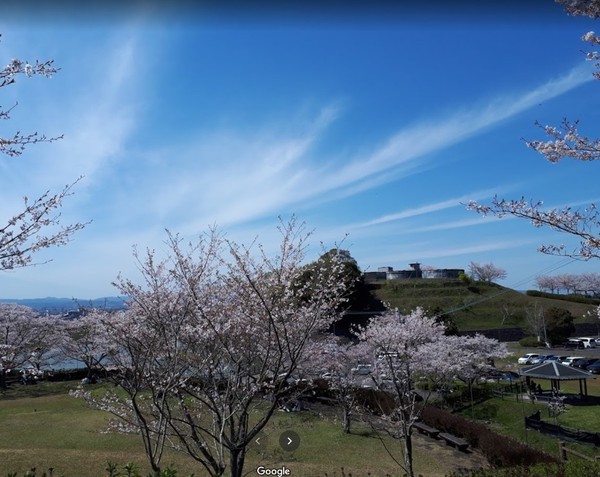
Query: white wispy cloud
(435, 250)
(455, 224)
(416, 141)
(278, 172)
(102, 117)
(92, 101)
(429, 208)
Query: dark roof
(553, 370)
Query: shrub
(530, 342)
(573, 468)
(557, 296)
(500, 451)
(112, 470)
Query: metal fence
(535, 422)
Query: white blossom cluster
(566, 141)
(589, 8)
(26, 339)
(585, 283)
(486, 272)
(212, 336)
(413, 348)
(582, 223)
(38, 225)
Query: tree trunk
(2, 379)
(408, 457)
(236, 462)
(346, 421)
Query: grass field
(507, 416)
(59, 431)
(478, 307)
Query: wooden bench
(457, 442)
(425, 429)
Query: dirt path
(450, 459)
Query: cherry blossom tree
(590, 283)
(486, 272)
(337, 361)
(140, 406)
(85, 339)
(37, 226)
(212, 334)
(476, 357)
(403, 345)
(414, 347)
(25, 339)
(564, 141)
(546, 283)
(585, 283)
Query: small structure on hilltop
(388, 273)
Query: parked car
(588, 342)
(594, 367)
(540, 359)
(584, 363)
(526, 359)
(570, 359)
(574, 343)
(554, 358)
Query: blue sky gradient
(374, 126)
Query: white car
(588, 342)
(541, 359)
(568, 361)
(526, 359)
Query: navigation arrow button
(289, 441)
(261, 441)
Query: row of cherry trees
(217, 336)
(34, 343)
(585, 283)
(216, 331)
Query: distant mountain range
(55, 305)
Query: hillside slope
(476, 307)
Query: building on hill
(388, 273)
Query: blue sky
(372, 126)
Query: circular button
(289, 440)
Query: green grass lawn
(507, 415)
(478, 307)
(59, 431)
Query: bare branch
(582, 223)
(38, 225)
(32, 230)
(14, 146)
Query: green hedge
(557, 296)
(572, 468)
(500, 451)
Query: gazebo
(556, 372)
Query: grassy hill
(473, 307)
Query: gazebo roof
(553, 370)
